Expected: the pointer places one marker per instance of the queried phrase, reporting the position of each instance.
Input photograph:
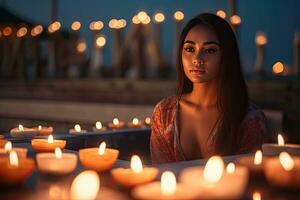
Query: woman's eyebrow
(204, 43)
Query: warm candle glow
(258, 157)
(50, 139)
(7, 31)
(39, 127)
(21, 128)
(13, 159)
(256, 196)
(112, 23)
(22, 32)
(76, 26)
(77, 128)
(85, 186)
(55, 26)
(100, 41)
(235, 20)
(102, 148)
(81, 46)
(36, 30)
(168, 183)
(116, 121)
(98, 25)
(135, 121)
(8, 146)
(159, 17)
(230, 168)
(142, 16)
(58, 153)
(98, 125)
(261, 38)
(136, 164)
(278, 68)
(135, 20)
(178, 16)
(213, 169)
(221, 13)
(148, 120)
(280, 140)
(286, 161)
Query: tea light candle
(116, 124)
(47, 145)
(276, 149)
(135, 123)
(22, 132)
(57, 163)
(214, 182)
(15, 170)
(98, 159)
(77, 129)
(148, 121)
(3, 142)
(99, 127)
(254, 164)
(135, 175)
(283, 171)
(167, 188)
(42, 130)
(22, 152)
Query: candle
(134, 175)
(275, 149)
(2, 142)
(254, 164)
(14, 170)
(216, 183)
(99, 127)
(47, 145)
(98, 159)
(56, 163)
(136, 123)
(22, 152)
(22, 132)
(148, 121)
(85, 186)
(116, 124)
(167, 188)
(77, 130)
(283, 171)
(42, 130)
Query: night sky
(279, 19)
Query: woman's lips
(198, 71)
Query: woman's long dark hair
(232, 99)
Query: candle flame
(280, 140)
(85, 186)
(135, 121)
(230, 168)
(256, 196)
(13, 159)
(258, 157)
(58, 153)
(286, 161)
(8, 146)
(77, 128)
(50, 139)
(98, 125)
(21, 128)
(213, 169)
(39, 127)
(148, 120)
(102, 148)
(116, 121)
(136, 164)
(168, 183)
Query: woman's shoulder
(166, 104)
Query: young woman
(211, 113)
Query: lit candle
(56, 163)
(77, 130)
(116, 124)
(214, 182)
(42, 130)
(85, 186)
(167, 188)
(14, 170)
(22, 152)
(134, 175)
(275, 149)
(23, 132)
(98, 159)
(99, 127)
(136, 123)
(253, 163)
(148, 121)
(283, 171)
(47, 145)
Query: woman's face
(201, 55)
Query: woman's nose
(197, 61)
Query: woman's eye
(210, 51)
(189, 49)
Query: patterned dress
(165, 144)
